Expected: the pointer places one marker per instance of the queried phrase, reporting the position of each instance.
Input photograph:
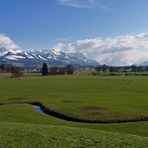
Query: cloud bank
(120, 50)
(7, 42)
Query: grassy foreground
(28, 135)
(83, 97)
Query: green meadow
(82, 97)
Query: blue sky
(41, 23)
(35, 24)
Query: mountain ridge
(52, 57)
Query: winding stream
(39, 107)
(42, 109)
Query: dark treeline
(14, 70)
(69, 69)
(45, 70)
(5, 68)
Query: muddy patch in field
(67, 101)
(95, 113)
(16, 99)
(95, 108)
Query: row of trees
(125, 69)
(18, 71)
(69, 69)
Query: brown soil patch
(95, 113)
(14, 99)
(67, 101)
(98, 108)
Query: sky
(109, 31)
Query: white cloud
(82, 4)
(7, 42)
(120, 50)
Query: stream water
(37, 108)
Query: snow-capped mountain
(38, 57)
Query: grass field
(82, 97)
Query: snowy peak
(38, 57)
(3, 51)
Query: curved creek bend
(38, 107)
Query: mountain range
(32, 58)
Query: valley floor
(76, 96)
